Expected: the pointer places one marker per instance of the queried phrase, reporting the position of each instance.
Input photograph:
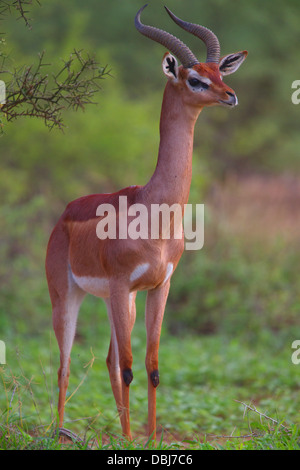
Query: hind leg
(112, 362)
(65, 313)
(66, 298)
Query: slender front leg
(112, 360)
(155, 307)
(120, 303)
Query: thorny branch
(20, 6)
(261, 415)
(32, 92)
(252, 434)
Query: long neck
(171, 180)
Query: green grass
(201, 379)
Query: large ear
(170, 66)
(231, 62)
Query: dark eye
(195, 83)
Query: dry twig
(261, 415)
(32, 91)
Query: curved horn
(174, 45)
(206, 35)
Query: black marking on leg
(154, 376)
(127, 376)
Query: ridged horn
(206, 35)
(174, 45)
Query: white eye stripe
(205, 80)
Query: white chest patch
(139, 271)
(93, 285)
(169, 271)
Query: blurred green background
(242, 288)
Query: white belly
(97, 286)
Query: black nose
(233, 99)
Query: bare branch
(20, 6)
(33, 92)
(261, 415)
